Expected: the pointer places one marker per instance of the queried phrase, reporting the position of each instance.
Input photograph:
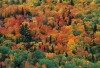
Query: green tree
(4, 52)
(8, 43)
(26, 33)
(19, 57)
(72, 2)
(38, 54)
(50, 63)
(97, 1)
(77, 32)
(70, 65)
(0, 4)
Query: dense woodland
(49, 33)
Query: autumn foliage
(49, 33)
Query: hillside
(49, 33)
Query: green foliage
(72, 2)
(0, 4)
(87, 47)
(4, 50)
(70, 20)
(38, 40)
(8, 43)
(45, 21)
(19, 39)
(89, 16)
(28, 13)
(78, 62)
(86, 66)
(1, 39)
(96, 20)
(50, 63)
(11, 2)
(28, 45)
(23, 1)
(31, 61)
(79, 16)
(19, 57)
(77, 32)
(96, 65)
(17, 2)
(38, 3)
(70, 65)
(97, 1)
(1, 17)
(38, 54)
(52, 25)
(69, 58)
(24, 30)
(59, 57)
(89, 12)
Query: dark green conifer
(72, 2)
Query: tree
(0, 4)
(8, 43)
(4, 51)
(50, 63)
(70, 65)
(72, 2)
(77, 32)
(28, 45)
(97, 1)
(70, 20)
(19, 57)
(22, 12)
(26, 33)
(38, 54)
(23, 1)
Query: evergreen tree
(70, 20)
(23, 1)
(72, 2)
(22, 12)
(26, 33)
(50, 39)
(69, 12)
(95, 28)
(0, 4)
(52, 50)
(60, 1)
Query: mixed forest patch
(49, 33)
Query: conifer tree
(72, 2)
(26, 33)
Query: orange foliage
(50, 54)
(87, 39)
(97, 40)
